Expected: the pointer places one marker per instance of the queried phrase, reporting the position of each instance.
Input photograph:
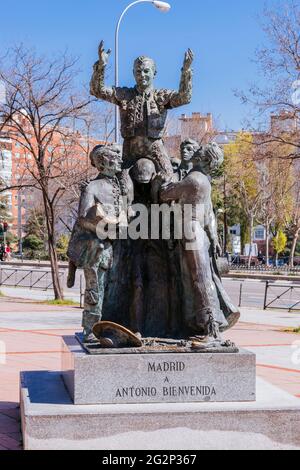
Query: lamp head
(162, 6)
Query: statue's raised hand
(103, 56)
(188, 59)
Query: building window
(259, 234)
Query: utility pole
(225, 216)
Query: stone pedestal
(157, 378)
(50, 421)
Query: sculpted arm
(173, 191)
(130, 195)
(97, 85)
(87, 201)
(184, 95)
(211, 229)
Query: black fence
(38, 279)
(28, 278)
(265, 269)
(282, 297)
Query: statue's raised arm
(184, 95)
(97, 85)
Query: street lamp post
(163, 7)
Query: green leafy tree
(35, 240)
(33, 247)
(36, 224)
(62, 247)
(279, 243)
(4, 214)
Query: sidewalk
(38, 294)
(31, 263)
(278, 318)
(268, 276)
(31, 334)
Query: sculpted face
(175, 163)
(209, 158)
(187, 152)
(144, 73)
(143, 171)
(113, 165)
(107, 160)
(188, 148)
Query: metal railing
(292, 304)
(37, 279)
(28, 278)
(264, 268)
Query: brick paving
(40, 349)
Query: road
(253, 291)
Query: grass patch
(65, 302)
(1, 294)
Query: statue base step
(162, 377)
(50, 421)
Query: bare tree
(95, 127)
(294, 223)
(279, 63)
(38, 114)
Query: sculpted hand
(84, 185)
(162, 180)
(103, 56)
(216, 248)
(188, 59)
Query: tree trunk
(58, 291)
(294, 245)
(251, 240)
(267, 243)
(276, 259)
(225, 232)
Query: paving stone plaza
(33, 343)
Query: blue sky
(223, 34)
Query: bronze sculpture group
(160, 287)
